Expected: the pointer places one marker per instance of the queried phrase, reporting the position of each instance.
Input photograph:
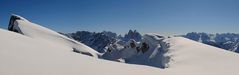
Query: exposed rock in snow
(150, 51)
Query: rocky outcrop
(12, 23)
(151, 50)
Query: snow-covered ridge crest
(21, 25)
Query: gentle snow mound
(193, 58)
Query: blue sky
(147, 16)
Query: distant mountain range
(100, 40)
(228, 41)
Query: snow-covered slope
(22, 55)
(193, 58)
(48, 54)
(32, 30)
(184, 57)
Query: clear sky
(147, 16)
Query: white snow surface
(193, 58)
(39, 52)
(21, 55)
(38, 32)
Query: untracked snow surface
(21, 55)
(32, 30)
(41, 51)
(193, 58)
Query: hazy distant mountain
(132, 35)
(228, 41)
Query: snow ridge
(21, 25)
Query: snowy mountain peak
(132, 35)
(228, 41)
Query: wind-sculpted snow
(32, 30)
(158, 52)
(150, 51)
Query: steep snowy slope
(27, 28)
